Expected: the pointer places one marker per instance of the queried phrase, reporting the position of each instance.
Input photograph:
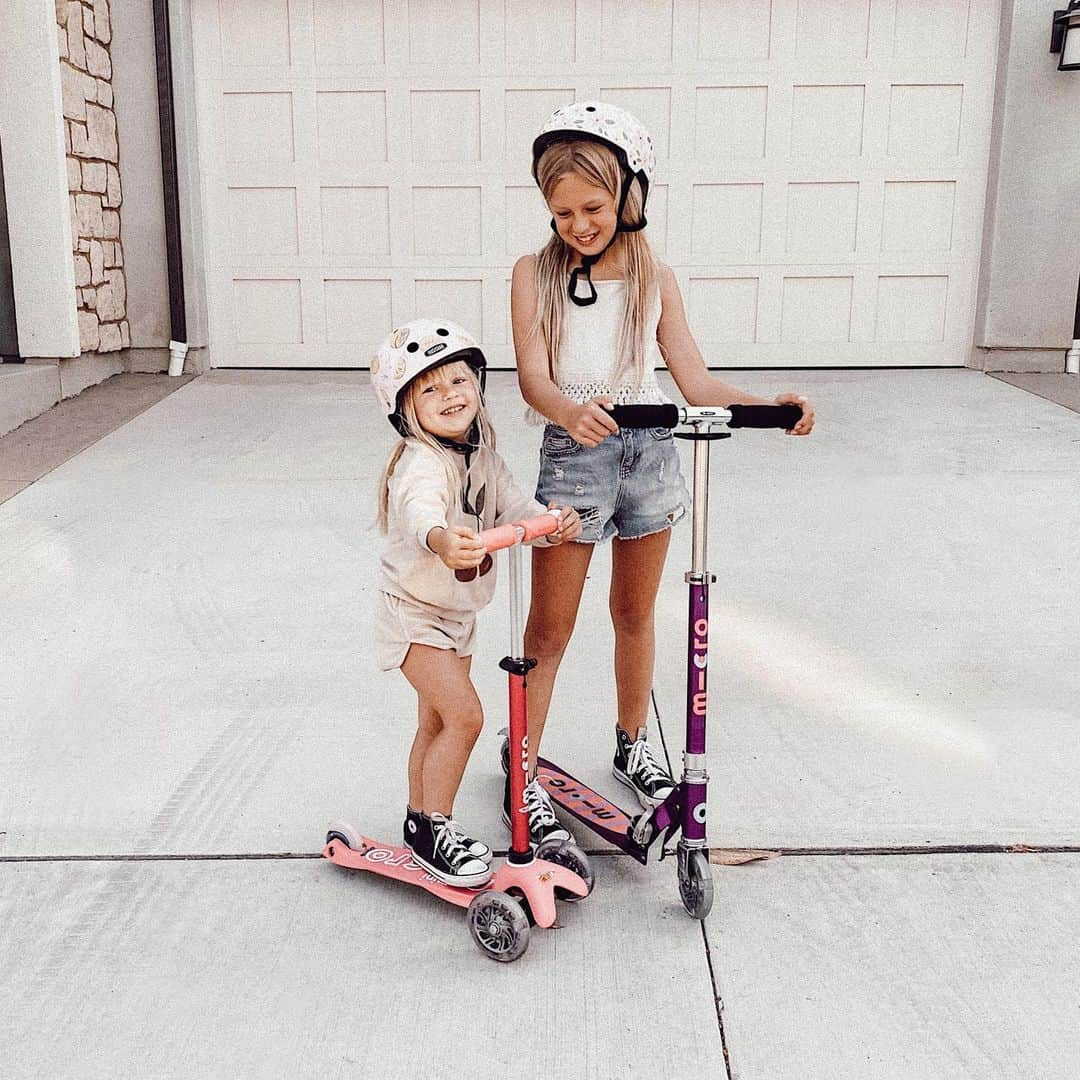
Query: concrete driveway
(189, 696)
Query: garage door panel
(822, 165)
(258, 126)
(936, 30)
(263, 221)
(255, 33)
(350, 126)
(348, 33)
(539, 35)
(636, 31)
(838, 29)
(918, 216)
(439, 28)
(734, 29)
(356, 309)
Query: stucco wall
(1031, 239)
(35, 178)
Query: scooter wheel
(499, 926)
(346, 834)
(567, 853)
(695, 882)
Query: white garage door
(822, 166)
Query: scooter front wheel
(567, 854)
(346, 833)
(695, 881)
(499, 926)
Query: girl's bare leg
(558, 577)
(441, 680)
(636, 566)
(428, 725)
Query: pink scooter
(524, 889)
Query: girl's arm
(588, 424)
(694, 380)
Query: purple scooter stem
(685, 808)
(697, 699)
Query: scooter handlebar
(765, 416)
(646, 416)
(737, 416)
(520, 532)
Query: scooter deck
(398, 863)
(601, 815)
(538, 881)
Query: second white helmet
(600, 121)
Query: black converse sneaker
(543, 824)
(437, 845)
(636, 767)
(476, 848)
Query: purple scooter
(684, 808)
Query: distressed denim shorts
(628, 486)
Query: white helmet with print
(600, 121)
(416, 347)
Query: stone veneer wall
(93, 159)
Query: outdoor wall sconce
(1065, 37)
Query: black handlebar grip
(645, 416)
(765, 416)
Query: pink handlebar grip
(504, 536)
(539, 526)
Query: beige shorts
(399, 624)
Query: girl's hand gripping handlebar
(765, 416)
(521, 532)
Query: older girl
(593, 315)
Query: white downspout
(1072, 357)
(178, 351)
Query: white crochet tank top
(589, 350)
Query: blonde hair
(596, 164)
(414, 431)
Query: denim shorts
(628, 486)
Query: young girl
(442, 485)
(593, 314)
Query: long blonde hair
(596, 164)
(414, 431)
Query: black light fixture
(1065, 37)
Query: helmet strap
(588, 261)
(471, 443)
(643, 181)
(585, 269)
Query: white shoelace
(451, 841)
(640, 762)
(465, 838)
(537, 805)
